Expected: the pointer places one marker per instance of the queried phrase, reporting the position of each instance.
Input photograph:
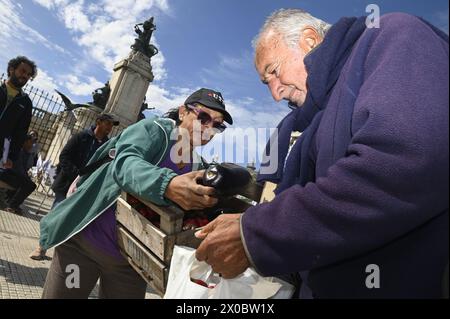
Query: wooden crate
(161, 240)
(149, 248)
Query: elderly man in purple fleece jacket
(362, 201)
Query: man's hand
(185, 191)
(222, 247)
(8, 164)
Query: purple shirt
(102, 232)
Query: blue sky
(203, 43)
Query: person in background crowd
(15, 109)
(18, 178)
(77, 152)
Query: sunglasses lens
(220, 127)
(204, 118)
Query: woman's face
(191, 116)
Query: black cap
(212, 100)
(108, 117)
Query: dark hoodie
(74, 156)
(15, 120)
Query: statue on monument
(101, 96)
(142, 43)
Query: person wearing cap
(74, 157)
(155, 161)
(77, 152)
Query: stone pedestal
(65, 124)
(129, 84)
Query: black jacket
(74, 157)
(15, 121)
(22, 164)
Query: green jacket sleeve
(140, 149)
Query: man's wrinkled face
(21, 75)
(282, 69)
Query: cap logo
(218, 97)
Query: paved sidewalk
(20, 276)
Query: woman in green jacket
(155, 161)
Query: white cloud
(45, 3)
(163, 100)
(133, 8)
(44, 81)
(105, 29)
(74, 17)
(81, 88)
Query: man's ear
(181, 112)
(10, 71)
(309, 39)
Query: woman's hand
(187, 193)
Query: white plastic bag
(186, 274)
(179, 285)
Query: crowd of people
(365, 184)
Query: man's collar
(21, 92)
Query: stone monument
(132, 77)
(123, 96)
(101, 96)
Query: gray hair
(289, 23)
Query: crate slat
(143, 261)
(141, 228)
(170, 213)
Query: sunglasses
(206, 119)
